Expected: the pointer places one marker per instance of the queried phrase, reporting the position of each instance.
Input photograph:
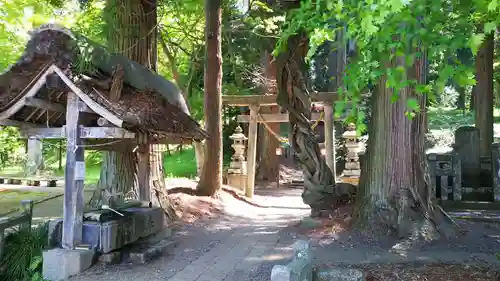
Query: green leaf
(492, 6)
(339, 108)
(489, 27)
(413, 104)
(410, 114)
(410, 59)
(394, 97)
(476, 41)
(367, 25)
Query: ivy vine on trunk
(293, 95)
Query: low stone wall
(300, 268)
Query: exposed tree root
(320, 190)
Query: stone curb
(300, 268)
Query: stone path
(229, 249)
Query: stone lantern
(352, 165)
(237, 172)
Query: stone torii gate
(255, 102)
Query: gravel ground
(276, 215)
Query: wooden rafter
(37, 85)
(97, 108)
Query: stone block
(281, 273)
(60, 264)
(299, 268)
(352, 166)
(114, 234)
(352, 172)
(110, 258)
(144, 255)
(238, 181)
(340, 274)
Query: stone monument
(352, 165)
(237, 172)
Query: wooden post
(59, 156)
(143, 169)
(291, 152)
(329, 138)
(74, 177)
(252, 150)
(34, 156)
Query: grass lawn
(12, 199)
(178, 165)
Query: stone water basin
(109, 231)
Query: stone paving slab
(228, 249)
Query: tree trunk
(461, 98)
(211, 178)
(132, 33)
(269, 161)
(293, 96)
(393, 196)
(483, 99)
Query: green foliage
(22, 254)
(180, 164)
(386, 31)
(9, 145)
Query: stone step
(146, 254)
(138, 254)
(449, 205)
(478, 215)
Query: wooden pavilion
(65, 86)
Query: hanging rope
(276, 135)
(280, 138)
(322, 114)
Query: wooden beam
(272, 118)
(43, 133)
(269, 100)
(144, 169)
(97, 108)
(54, 106)
(74, 176)
(85, 133)
(252, 151)
(31, 114)
(262, 100)
(40, 114)
(329, 138)
(39, 81)
(105, 133)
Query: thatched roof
(148, 102)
